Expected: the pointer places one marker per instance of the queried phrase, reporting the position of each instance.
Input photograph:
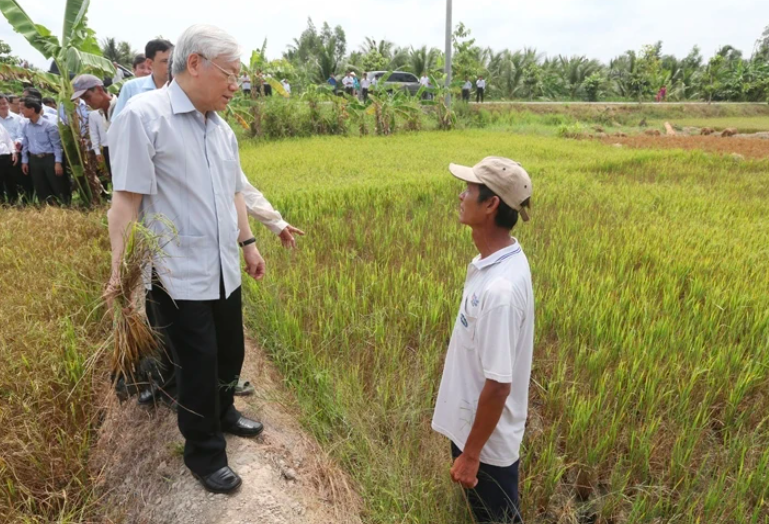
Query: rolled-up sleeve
(260, 208)
(131, 155)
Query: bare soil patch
(756, 148)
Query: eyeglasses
(232, 78)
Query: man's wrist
(248, 242)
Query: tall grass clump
(651, 364)
(53, 264)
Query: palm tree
(422, 60)
(575, 71)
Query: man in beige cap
(90, 90)
(483, 397)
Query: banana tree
(76, 52)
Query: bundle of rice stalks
(133, 339)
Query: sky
(599, 29)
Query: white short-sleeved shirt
(493, 338)
(481, 84)
(187, 168)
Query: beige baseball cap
(505, 177)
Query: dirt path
(287, 478)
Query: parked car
(397, 80)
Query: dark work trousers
(25, 183)
(349, 90)
(105, 154)
(465, 95)
(8, 191)
(495, 498)
(207, 343)
(50, 187)
(364, 91)
(479, 94)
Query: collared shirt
(82, 115)
(493, 339)
(424, 81)
(365, 83)
(13, 124)
(7, 147)
(98, 124)
(187, 168)
(39, 138)
(348, 81)
(481, 84)
(132, 88)
(258, 206)
(467, 86)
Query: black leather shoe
(244, 427)
(222, 480)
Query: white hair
(206, 40)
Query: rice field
(648, 398)
(649, 390)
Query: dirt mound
(747, 147)
(287, 478)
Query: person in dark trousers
(8, 161)
(483, 398)
(466, 88)
(480, 89)
(41, 155)
(90, 90)
(172, 154)
(13, 124)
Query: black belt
(41, 155)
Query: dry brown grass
(747, 147)
(53, 263)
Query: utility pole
(448, 51)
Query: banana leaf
(38, 36)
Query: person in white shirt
(245, 84)
(12, 122)
(424, 81)
(90, 90)
(365, 85)
(483, 398)
(9, 159)
(286, 86)
(348, 83)
(480, 89)
(466, 88)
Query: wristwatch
(251, 240)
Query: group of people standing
(171, 154)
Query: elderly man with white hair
(172, 155)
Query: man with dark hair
(49, 101)
(140, 67)
(8, 160)
(49, 112)
(41, 154)
(158, 53)
(483, 398)
(15, 104)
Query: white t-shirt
(493, 338)
(245, 82)
(287, 87)
(480, 84)
(467, 86)
(425, 81)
